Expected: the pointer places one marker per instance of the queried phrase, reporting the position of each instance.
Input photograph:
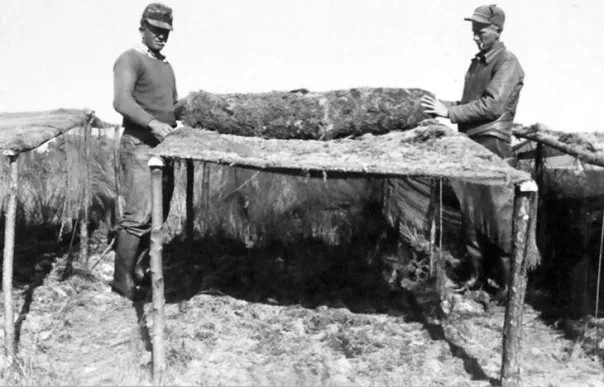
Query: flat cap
(158, 15)
(488, 14)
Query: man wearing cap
(144, 94)
(487, 107)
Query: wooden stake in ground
(189, 205)
(539, 176)
(597, 308)
(117, 170)
(433, 223)
(512, 328)
(84, 240)
(205, 192)
(157, 278)
(9, 250)
(441, 274)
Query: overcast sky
(60, 53)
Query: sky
(60, 53)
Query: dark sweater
(144, 89)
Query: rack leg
(512, 328)
(9, 251)
(157, 279)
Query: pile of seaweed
(304, 115)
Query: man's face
(485, 35)
(154, 37)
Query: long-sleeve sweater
(144, 89)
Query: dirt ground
(238, 322)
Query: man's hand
(160, 129)
(433, 106)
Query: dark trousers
(481, 252)
(496, 145)
(136, 183)
(135, 226)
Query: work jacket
(490, 95)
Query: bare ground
(231, 325)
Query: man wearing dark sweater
(144, 94)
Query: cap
(158, 15)
(488, 14)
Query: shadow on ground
(310, 274)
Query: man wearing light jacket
(145, 95)
(486, 110)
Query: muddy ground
(235, 319)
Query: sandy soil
(236, 329)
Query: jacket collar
(491, 54)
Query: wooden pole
(597, 307)
(539, 156)
(541, 134)
(441, 275)
(435, 216)
(512, 328)
(539, 176)
(84, 239)
(432, 223)
(205, 192)
(9, 250)
(117, 172)
(189, 205)
(157, 279)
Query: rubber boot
(474, 260)
(142, 273)
(125, 259)
(473, 254)
(504, 262)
